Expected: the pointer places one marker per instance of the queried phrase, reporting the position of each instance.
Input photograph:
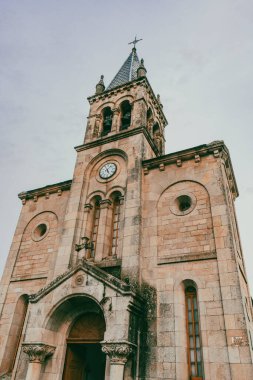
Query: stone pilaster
(37, 353)
(118, 353)
(115, 120)
(104, 230)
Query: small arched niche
(185, 226)
(15, 335)
(125, 109)
(107, 121)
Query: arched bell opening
(83, 322)
(149, 120)
(107, 121)
(125, 108)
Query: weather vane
(134, 42)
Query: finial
(141, 71)
(159, 100)
(100, 87)
(135, 41)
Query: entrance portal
(84, 357)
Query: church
(133, 269)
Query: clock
(107, 170)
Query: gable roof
(127, 72)
(113, 282)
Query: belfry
(133, 269)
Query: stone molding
(187, 257)
(38, 352)
(92, 270)
(118, 136)
(118, 352)
(45, 191)
(216, 148)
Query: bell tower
(125, 126)
(125, 107)
(134, 267)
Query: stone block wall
(195, 247)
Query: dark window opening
(125, 115)
(107, 121)
(40, 230)
(156, 131)
(184, 202)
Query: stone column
(37, 352)
(115, 120)
(97, 127)
(118, 353)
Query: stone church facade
(133, 269)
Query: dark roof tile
(127, 72)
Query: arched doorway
(84, 357)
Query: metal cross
(134, 42)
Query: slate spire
(127, 72)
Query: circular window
(183, 204)
(40, 231)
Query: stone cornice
(216, 148)
(38, 352)
(92, 270)
(119, 136)
(127, 86)
(45, 191)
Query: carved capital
(38, 352)
(118, 352)
(88, 207)
(105, 203)
(116, 111)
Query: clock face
(107, 170)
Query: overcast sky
(199, 57)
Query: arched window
(95, 222)
(116, 197)
(193, 334)
(107, 121)
(125, 115)
(15, 335)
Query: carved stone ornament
(79, 280)
(239, 341)
(118, 352)
(38, 352)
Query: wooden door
(84, 357)
(75, 365)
